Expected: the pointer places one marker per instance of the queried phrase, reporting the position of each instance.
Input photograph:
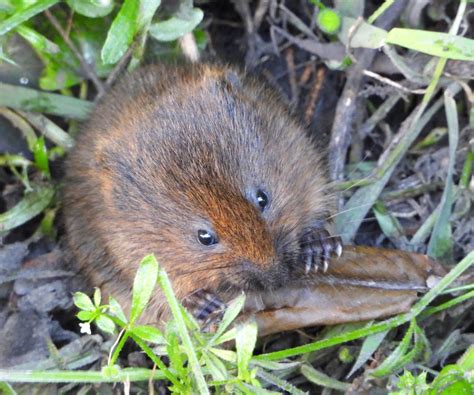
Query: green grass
(116, 34)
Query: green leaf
(216, 367)
(232, 311)
(451, 380)
(41, 156)
(23, 15)
(441, 241)
(431, 138)
(56, 75)
(105, 324)
(401, 356)
(370, 345)
(407, 382)
(176, 356)
(466, 361)
(176, 26)
(149, 334)
(146, 12)
(272, 365)
(92, 8)
(444, 45)
(389, 224)
(97, 297)
(365, 36)
(274, 380)
(83, 302)
(245, 343)
(226, 355)
(28, 99)
(116, 310)
(319, 378)
(86, 315)
(354, 8)
(121, 32)
(37, 40)
(6, 389)
(188, 347)
(143, 286)
(32, 204)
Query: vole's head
(210, 174)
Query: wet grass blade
(441, 243)
(188, 347)
(28, 99)
(444, 45)
(322, 379)
(29, 207)
(67, 376)
(21, 16)
(370, 345)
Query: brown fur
(175, 149)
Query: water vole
(202, 166)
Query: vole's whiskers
(201, 269)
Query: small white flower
(85, 328)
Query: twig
(347, 105)
(352, 30)
(290, 63)
(307, 72)
(49, 129)
(378, 115)
(85, 66)
(332, 50)
(390, 82)
(314, 94)
(189, 47)
(260, 13)
(117, 70)
(18, 122)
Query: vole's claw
(206, 307)
(317, 248)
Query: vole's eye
(206, 238)
(262, 199)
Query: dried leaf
(364, 283)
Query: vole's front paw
(206, 307)
(317, 248)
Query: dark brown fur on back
(173, 150)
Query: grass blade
(441, 243)
(21, 16)
(32, 204)
(322, 379)
(443, 45)
(67, 376)
(174, 305)
(51, 103)
(370, 345)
